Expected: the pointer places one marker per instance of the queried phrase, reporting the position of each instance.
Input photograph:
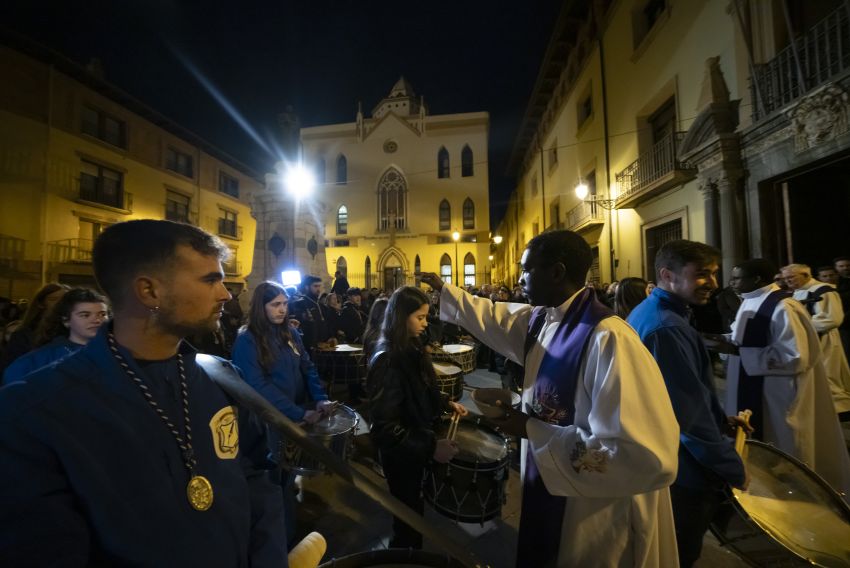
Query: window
(177, 206)
(443, 165)
(341, 170)
(445, 215)
(466, 167)
(104, 127)
(228, 184)
(227, 223)
(179, 162)
(368, 270)
(644, 17)
(585, 109)
(469, 270)
(320, 171)
(342, 220)
(417, 265)
(341, 242)
(446, 268)
(99, 184)
(553, 154)
(534, 185)
(392, 200)
(468, 214)
(663, 121)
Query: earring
(154, 311)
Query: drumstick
(453, 426)
(741, 434)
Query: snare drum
(393, 557)
(343, 364)
(471, 487)
(449, 380)
(334, 432)
(461, 355)
(789, 516)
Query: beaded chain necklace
(199, 491)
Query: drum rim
(436, 559)
(739, 508)
(354, 414)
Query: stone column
(731, 222)
(712, 215)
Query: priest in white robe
(615, 460)
(795, 407)
(824, 304)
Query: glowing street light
(497, 239)
(299, 182)
(581, 190)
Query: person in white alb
(602, 439)
(776, 370)
(824, 305)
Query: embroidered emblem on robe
(224, 426)
(583, 459)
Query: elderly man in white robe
(602, 439)
(775, 370)
(824, 305)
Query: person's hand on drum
(432, 280)
(326, 406)
(332, 342)
(746, 483)
(312, 416)
(446, 449)
(458, 408)
(512, 422)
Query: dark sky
(319, 56)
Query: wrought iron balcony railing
(654, 171)
(70, 250)
(585, 213)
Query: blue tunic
(292, 378)
(56, 350)
(90, 475)
(707, 459)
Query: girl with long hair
(373, 327)
(22, 339)
(67, 327)
(275, 362)
(630, 292)
(406, 406)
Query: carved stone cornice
(819, 117)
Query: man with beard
(686, 273)
(127, 453)
(600, 437)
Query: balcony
(653, 173)
(73, 251)
(585, 215)
(229, 229)
(824, 53)
(232, 268)
(100, 195)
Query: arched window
(468, 214)
(445, 215)
(443, 166)
(342, 220)
(368, 270)
(417, 271)
(341, 170)
(466, 167)
(392, 201)
(342, 266)
(320, 171)
(446, 268)
(469, 270)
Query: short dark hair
(353, 291)
(676, 254)
(837, 258)
(825, 267)
(309, 280)
(566, 247)
(126, 249)
(760, 267)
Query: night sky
(321, 57)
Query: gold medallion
(200, 492)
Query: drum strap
(555, 386)
(757, 334)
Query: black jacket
(352, 322)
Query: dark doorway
(656, 237)
(393, 278)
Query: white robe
(828, 315)
(621, 515)
(798, 410)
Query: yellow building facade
(653, 108)
(396, 186)
(77, 155)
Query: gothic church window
(342, 220)
(445, 215)
(466, 167)
(392, 200)
(468, 214)
(341, 170)
(443, 164)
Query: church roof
(402, 88)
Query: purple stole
(757, 334)
(554, 402)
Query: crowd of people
(626, 447)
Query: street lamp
(299, 182)
(456, 238)
(497, 239)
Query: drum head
(393, 558)
(342, 420)
(348, 348)
(446, 369)
(479, 444)
(795, 507)
(456, 348)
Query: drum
(449, 380)
(471, 487)
(788, 516)
(393, 557)
(343, 364)
(335, 432)
(461, 355)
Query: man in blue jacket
(127, 453)
(686, 273)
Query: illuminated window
(445, 215)
(446, 269)
(443, 164)
(469, 270)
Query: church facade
(396, 186)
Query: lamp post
(607, 204)
(456, 238)
(497, 240)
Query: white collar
(764, 290)
(557, 313)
